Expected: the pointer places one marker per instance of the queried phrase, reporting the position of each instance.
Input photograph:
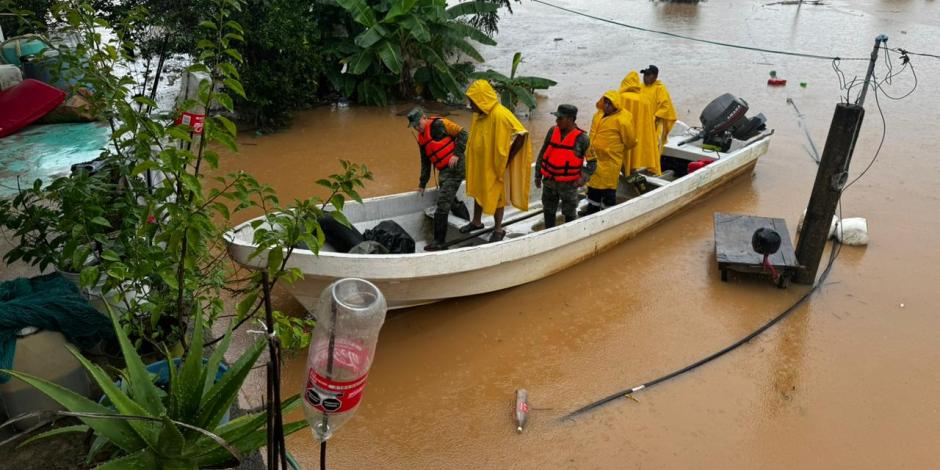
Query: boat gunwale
(725, 161)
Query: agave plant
(179, 428)
(513, 89)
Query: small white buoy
(902, 305)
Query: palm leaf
(399, 7)
(523, 95)
(477, 7)
(466, 48)
(370, 36)
(473, 33)
(361, 12)
(516, 59)
(360, 62)
(391, 56)
(417, 28)
(535, 83)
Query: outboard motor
(725, 118)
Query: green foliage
(24, 17)
(406, 48)
(285, 56)
(513, 89)
(179, 427)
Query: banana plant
(513, 89)
(414, 40)
(178, 428)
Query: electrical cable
(690, 38)
(833, 255)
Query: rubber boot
(440, 232)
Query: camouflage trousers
(566, 193)
(448, 183)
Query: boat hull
(421, 278)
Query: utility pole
(831, 177)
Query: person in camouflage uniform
(441, 143)
(560, 171)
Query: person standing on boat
(611, 136)
(441, 143)
(646, 154)
(499, 159)
(665, 113)
(560, 165)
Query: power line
(706, 41)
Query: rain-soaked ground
(850, 380)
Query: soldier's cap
(566, 110)
(652, 70)
(414, 116)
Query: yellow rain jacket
(611, 137)
(489, 181)
(665, 113)
(646, 152)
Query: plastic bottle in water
(349, 317)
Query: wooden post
(831, 177)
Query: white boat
(527, 253)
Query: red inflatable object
(25, 103)
(776, 82)
(698, 165)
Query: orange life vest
(559, 161)
(438, 151)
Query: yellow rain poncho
(662, 103)
(646, 153)
(611, 137)
(489, 181)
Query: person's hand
(420, 191)
(538, 183)
(453, 162)
(582, 181)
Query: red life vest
(559, 161)
(438, 151)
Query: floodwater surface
(849, 380)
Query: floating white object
(852, 231)
(832, 226)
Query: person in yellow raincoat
(499, 159)
(662, 104)
(612, 136)
(646, 153)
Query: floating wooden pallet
(734, 252)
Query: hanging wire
(706, 41)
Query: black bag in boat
(340, 236)
(391, 236)
(459, 209)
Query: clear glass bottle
(349, 316)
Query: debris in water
(522, 409)
(559, 39)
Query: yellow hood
(483, 95)
(630, 83)
(613, 96)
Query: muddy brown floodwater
(850, 380)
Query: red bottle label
(333, 396)
(329, 396)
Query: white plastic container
(10, 76)
(853, 231)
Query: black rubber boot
(440, 233)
